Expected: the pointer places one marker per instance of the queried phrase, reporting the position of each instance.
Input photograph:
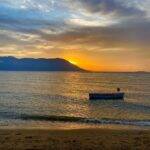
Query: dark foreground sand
(84, 139)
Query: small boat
(106, 96)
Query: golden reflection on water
(66, 94)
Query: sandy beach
(80, 139)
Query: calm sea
(60, 100)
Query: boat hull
(106, 96)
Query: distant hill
(41, 64)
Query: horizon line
(86, 70)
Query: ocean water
(60, 100)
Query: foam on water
(86, 120)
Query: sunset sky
(101, 35)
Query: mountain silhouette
(40, 64)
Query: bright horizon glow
(73, 62)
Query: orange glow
(73, 62)
(104, 63)
(83, 63)
(94, 66)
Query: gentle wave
(85, 120)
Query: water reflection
(66, 94)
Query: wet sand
(81, 139)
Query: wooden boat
(106, 96)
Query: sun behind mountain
(73, 62)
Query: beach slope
(82, 139)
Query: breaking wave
(86, 120)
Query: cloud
(27, 21)
(35, 5)
(106, 7)
(99, 28)
(104, 12)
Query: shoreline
(74, 139)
